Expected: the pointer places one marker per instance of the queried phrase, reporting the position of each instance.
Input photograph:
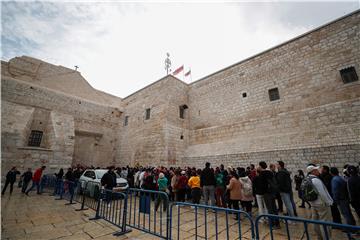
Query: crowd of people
(330, 195)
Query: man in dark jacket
(27, 176)
(108, 181)
(207, 182)
(10, 178)
(353, 184)
(267, 179)
(341, 196)
(326, 178)
(284, 181)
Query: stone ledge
(35, 148)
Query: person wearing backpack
(246, 193)
(268, 181)
(219, 188)
(316, 193)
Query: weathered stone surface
(317, 117)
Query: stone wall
(62, 118)
(315, 109)
(229, 117)
(149, 142)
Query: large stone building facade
(298, 102)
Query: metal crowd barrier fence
(210, 222)
(112, 207)
(47, 183)
(292, 228)
(148, 211)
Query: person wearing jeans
(259, 191)
(267, 179)
(284, 181)
(36, 180)
(341, 195)
(208, 182)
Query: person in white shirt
(320, 208)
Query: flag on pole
(188, 73)
(177, 71)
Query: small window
(244, 95)
(182, 137)
(349, 75)
(126, 121)
(35, 138)
(182, 109)
(274, 94)
(147, 114)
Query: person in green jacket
(162, 184)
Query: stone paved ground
(41, 217)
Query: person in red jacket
(36, 180)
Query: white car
(91, 181)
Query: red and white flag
(188, 73)
(177, 71)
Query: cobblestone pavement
(41, 217)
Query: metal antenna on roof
(76, 67)
(167, 63)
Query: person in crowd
(142, 177)
(340, 195)
(277, 196)
(27, 176)
(36, 180)
(181, 186)
(59, 182)
(285, 189)
(220, 188)
(194, 184)
(162, 187)
(320, 207)
(326, 178)
(108, 181)
(234, 189)
(246, 193)
(174, 184)
(10, 179)
(208, 184)
(271, 189)
(137, 178)
(353, 184)
(259, 191)
(298, 180)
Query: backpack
(308, 190)
(247, 187)
(273, 186)
(219, 180)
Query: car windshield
(100, 173)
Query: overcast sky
(121, 47)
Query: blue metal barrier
(148, 211)
(112, 207)
(47, 182)
(207, 218)
(324, 227)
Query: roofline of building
(151, 84)
(278, 46)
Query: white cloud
(121, 47)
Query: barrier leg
(82, 203)
(97, 215)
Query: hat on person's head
(161, 175)
(183, 172)
(311, 168)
